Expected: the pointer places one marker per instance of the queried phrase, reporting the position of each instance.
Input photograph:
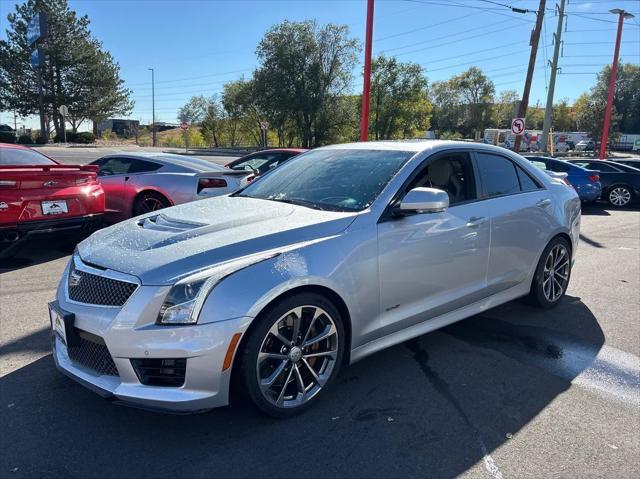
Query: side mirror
(424, 200)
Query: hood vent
(162, 223)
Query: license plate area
(62, 325)
(52, 208)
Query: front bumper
(206, 386)
(129, 332)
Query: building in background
(122, 128)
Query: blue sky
(195, 46)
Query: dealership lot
(515, 392)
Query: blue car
(585, 182)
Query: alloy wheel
(555, 275)
(149, 204)
(297, 356)
(619, 196)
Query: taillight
(7, 183)
(594, 178)
(204, 183)
(86, 180)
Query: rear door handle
(543, 203)
(476, 221)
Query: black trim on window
(515, 165)
(388, 214)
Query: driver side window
(452, 173)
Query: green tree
(563, 117)
(589, 108)
(476, 92)
(76, 72)
(195, 110)
(399, 105)
(303, 70)
(504, 109)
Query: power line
(446, 22)
(448, 35)
(193, 78)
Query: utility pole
(366, 90)
(548, 111)
(612, 81)
(535, 38)
(153, 108)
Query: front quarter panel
(346, 264)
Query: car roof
(419, 146)
(182, 161)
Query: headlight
(182, 304)
(185, 299)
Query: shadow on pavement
(33, 252)
(434, 406)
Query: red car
(262, 161)
(38, 196)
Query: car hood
(163, 246)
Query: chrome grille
(92, 353)
(93, 289)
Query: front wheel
(620, 196)
(292, 354)
(551, 278)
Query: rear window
(20, 157)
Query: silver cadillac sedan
(341, 252)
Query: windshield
(19, 157)
(337, 180)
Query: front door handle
(543, 203)
(476, 221)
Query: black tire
(539, 294)
(620, 196)
(149, 201)
(259, 336)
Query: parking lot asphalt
(514, 392)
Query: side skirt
(425, 327)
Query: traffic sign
(64, 111)
(37, 28)
(517, 126)
(264, 125)
(184, 125)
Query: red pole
(366, 90)
(612, 87)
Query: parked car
(585, 145)
(339, 253)
(628, 162)
(620, 183)
(39, 196)
(137, 183)
(260, 162)
(586, 182)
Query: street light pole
(366, 89)
(612, 81)
(153, 107)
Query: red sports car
(260, 162)
(38, 196)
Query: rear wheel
(292, 354)
(551, 278)
(620, 196)
(149, 201)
